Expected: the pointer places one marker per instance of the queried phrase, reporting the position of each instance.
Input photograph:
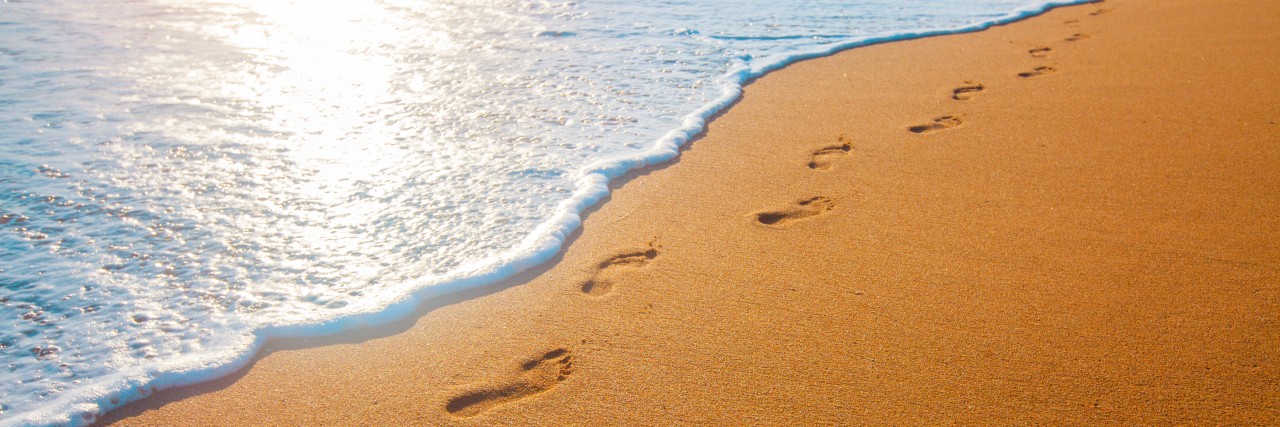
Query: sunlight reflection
(323, 68)
(320, 77)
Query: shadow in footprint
(965, 93)
(1100, 12)
(802, 209)
(1077, 37)
(599, 284)
(824, 157)
(1039, 52)
(534, 376)
(1039, 71)
(940, 123)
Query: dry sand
(1093, 243)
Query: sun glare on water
(321, 83)
(319, 73)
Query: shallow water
(180, 180)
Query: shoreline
(540, 247)
(656, 299)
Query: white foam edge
(541, 245)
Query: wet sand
(1069, 220)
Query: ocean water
(181, 180)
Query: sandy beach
(1068, 220)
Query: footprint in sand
(1100, 12)
(534, 376)
(802, 209)
(1039, 71)
(1039, 52)
(600, 284)
(1077, 37)
(1071, 21)
(965, 93)
(940, 123)
(824, 157)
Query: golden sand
(1069, 220)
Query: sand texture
(1069, 220)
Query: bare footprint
(1071, 21)
(534, 376)
(1039, 71)
(940, 123)
(802, 209)
(600, 284)
(1039, 52)
(824, 157)
(1100, 12)
(965, 93)
(1077, 37)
